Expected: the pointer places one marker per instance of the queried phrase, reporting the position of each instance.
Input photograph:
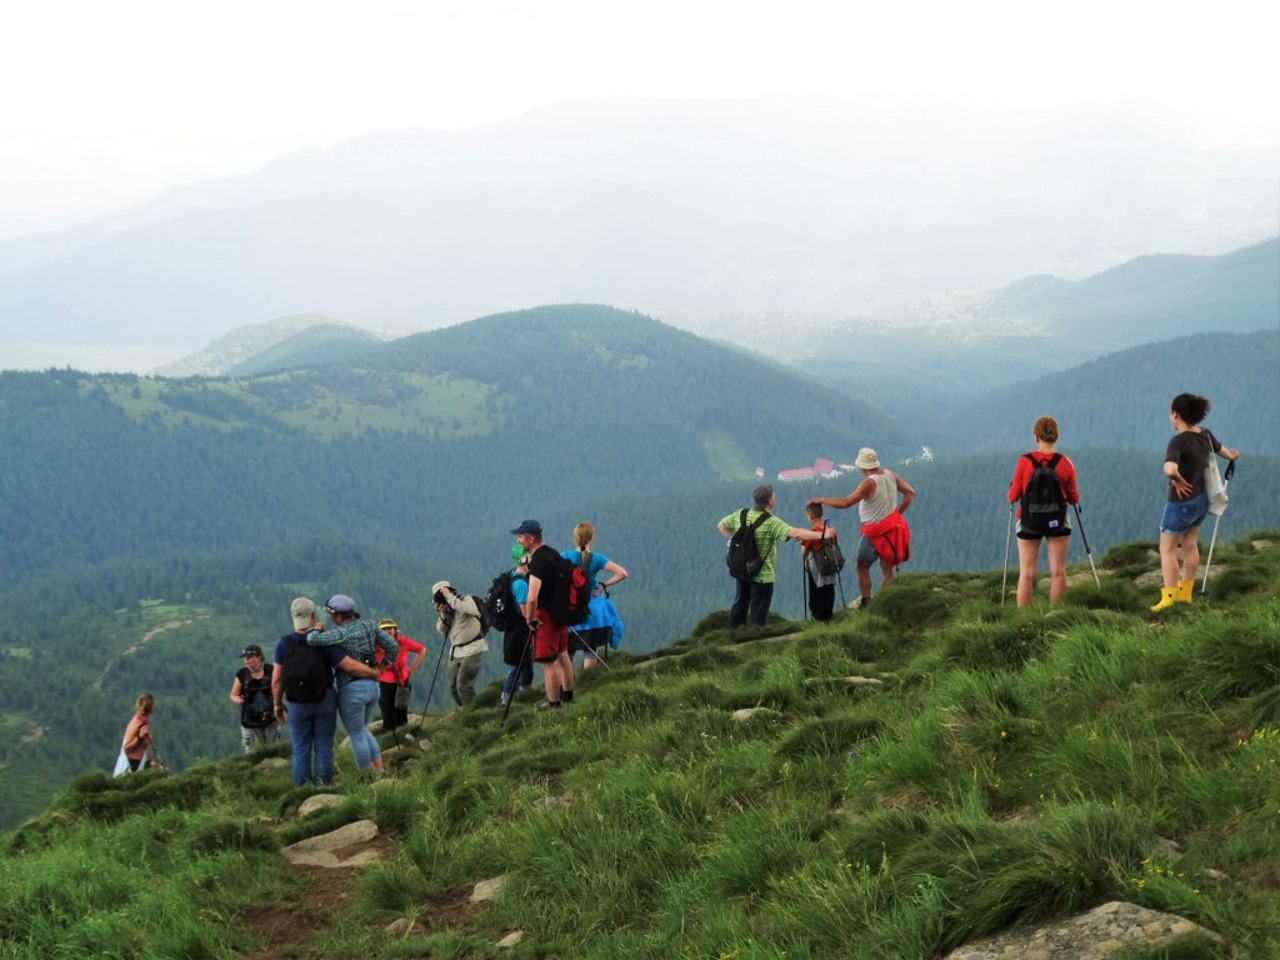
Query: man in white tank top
(885, 535)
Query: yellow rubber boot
(1168, 597)
(1186, 590)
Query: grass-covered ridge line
(916, 776)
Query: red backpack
(569, 599)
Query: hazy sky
(108, 104)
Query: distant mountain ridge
(262, 347)
(1041, 325)
(790, 206)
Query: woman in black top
(1185, 460)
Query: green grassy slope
(991, 766)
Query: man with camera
(460, 623)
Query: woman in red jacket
(1042, 510)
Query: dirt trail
(146, 638)
(290, 929)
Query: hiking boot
(859, 603)
(1186, 589)
(566, 696)
(1168, 597)
(549, 705)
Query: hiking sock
(566, 696)
(1168, 597)
(1186, 589)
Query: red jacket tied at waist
(891, 537)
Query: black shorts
(1025, 533)
(599, 639)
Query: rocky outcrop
(1096, 935)
(347, 846)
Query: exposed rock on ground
(347, 846)
(1096, 935)
(321, 801)
(487, 889)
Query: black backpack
(744, 558)
(569, 600)
(1043, 507)
(828, 557)
(306, 675)
(257, 710)
(482, 612)
(500, 603)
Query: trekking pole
(804, 585)
(1226, 480)
(1088, 553)
(1008, 537)
(595, 656)
(432, 689)
(515, 681)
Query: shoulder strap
(755, 524)
(1034, 462)
(1054, 461)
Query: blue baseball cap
(531, 527)
(340, 603)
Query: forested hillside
(1122, 399)
(188, 513)
(428, 435)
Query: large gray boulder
(347, 846)
(1096, 935)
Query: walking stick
(1088, 553)
(1008, 536)
(596, 656)
(516, 684)
(1226, 481)
(432, 689)
(804, 585)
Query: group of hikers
(553, 604)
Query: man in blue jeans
(357, 696)
(303, 679)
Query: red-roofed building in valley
(800, 473)
(821, 468)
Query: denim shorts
(1184, 515)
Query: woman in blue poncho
(602, 628)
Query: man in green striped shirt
(755, 595)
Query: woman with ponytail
(603, 627)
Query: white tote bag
(1214, 488)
